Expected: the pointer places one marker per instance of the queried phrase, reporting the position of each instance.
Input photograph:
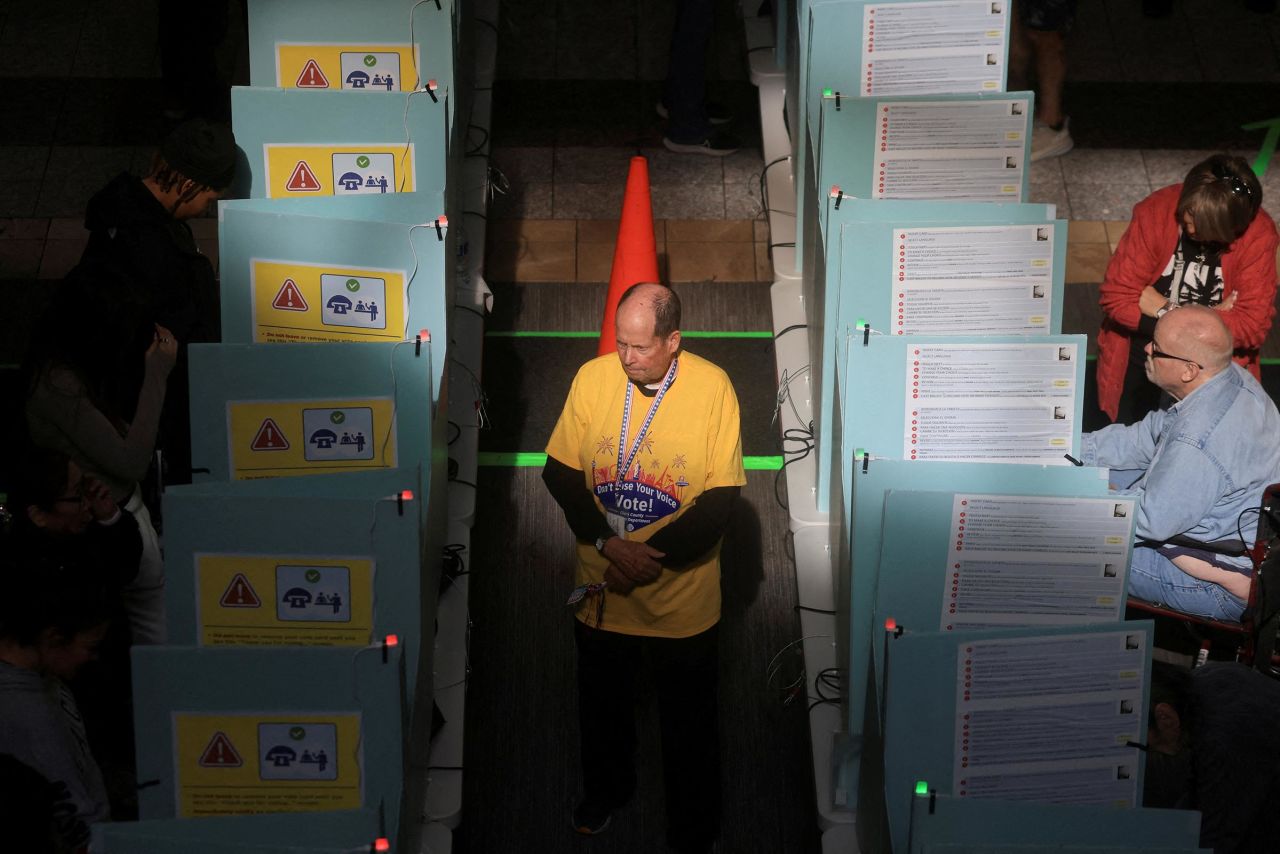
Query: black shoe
(591, 819)
(718, 144)
(717, 114)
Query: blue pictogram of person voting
(371, 72)
(353, 301)
(290, 751)
(363, 174)
(338, 434)
(313, 593)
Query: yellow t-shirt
(692, 445)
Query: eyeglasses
(1157, 353)
(1232, 180)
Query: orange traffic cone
(635, 259)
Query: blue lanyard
(625, 465)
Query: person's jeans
(685, 92)
(1154, 578)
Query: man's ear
(38, 517)
(1167, 731)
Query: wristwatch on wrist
(600, 541)
(1168, 306)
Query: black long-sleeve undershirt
(685, 540)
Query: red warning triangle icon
(289, 298)
(220, 753)
(240, 594)
(303, 180)
(312, 77)
(269, 437)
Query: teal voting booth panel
(245, 569)
(340, 832)
(994, 398)
(962, 148)
(300, 144)
(241, 731)
(359, 268)
(860, 541)
(263, 410)
(1047, 715)
(871, 247)
(973, 148)
(338, 44)
(914, 48)
(946, 824)
(952, 560)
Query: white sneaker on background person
(1049, 142)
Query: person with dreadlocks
(139, 227)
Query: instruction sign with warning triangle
(312, 77)
(289, 298)
(220, 753)
(303, 179)
(240, 594)
(269, 437)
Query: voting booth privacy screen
(907, 268)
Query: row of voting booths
(957, 566)
(311, 693)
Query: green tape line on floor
(684, 333)
(527, 459)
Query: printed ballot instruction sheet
(1051, 718)
(931, 47)
(1029, 560)
(979, 279)
(1011, 403)
(966, 150)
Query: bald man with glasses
(1197, 468)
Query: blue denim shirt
(1205, 460)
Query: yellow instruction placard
(297, 302)
(258, 762)
(287, 438)
(298, 600)
(354, 67)
(338, 170)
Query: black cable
(764, 173)
(790, 328)
(813, 610)
(477, 312)
(490, 24)
(479, 146)
(475, 213)
(790, 244)
(464, 483)
(817, 703)
(806, 438)
(455, 436)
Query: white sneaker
(1047, 142)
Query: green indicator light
(827, 93)
(922, 788)
(860, 325)
(859, 453)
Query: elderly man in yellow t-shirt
(646, 462)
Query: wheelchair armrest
(1231, 548)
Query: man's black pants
(685, 674)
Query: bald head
(1189, 347)
(1199, 334)
(647, 325)
(655, 300)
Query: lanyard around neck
(625, 464)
